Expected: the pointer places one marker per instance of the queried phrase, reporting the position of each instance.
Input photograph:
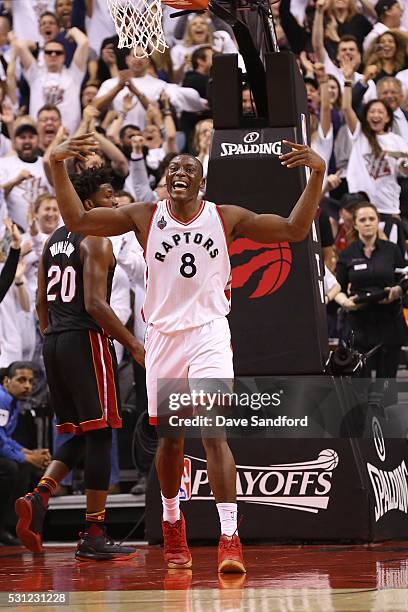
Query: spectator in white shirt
(378, 156)
(54, 83)
(22, 176)
(389, 13)
(143, 88)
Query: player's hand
(78, 146)
(138, 353)
(302, 155)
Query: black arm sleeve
(8, 272)
(357, 95)
(296, 35)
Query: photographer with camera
(366, 272)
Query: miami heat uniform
(188, 284)
(79, 358)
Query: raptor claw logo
(273, 260)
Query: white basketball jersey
(188, 274)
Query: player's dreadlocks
(89, 181)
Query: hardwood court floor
(325, 578)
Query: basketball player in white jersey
(188, 274)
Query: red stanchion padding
(187, 5)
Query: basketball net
(138, 23)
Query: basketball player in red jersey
(188, 273)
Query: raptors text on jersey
(188, 275)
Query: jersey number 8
(67, 277)
(188, 268)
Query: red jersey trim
(173, 216)
(85, 426)
(224, 227)
(149, 225)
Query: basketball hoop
(138, 23)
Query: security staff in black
(74, 284)
(367, 269)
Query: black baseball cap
(382, 6)
(25, 127)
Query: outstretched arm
(269, 228)
(318, 31)
(347, 107)
(98, 221)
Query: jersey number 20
(67, 279)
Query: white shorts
(199, 353)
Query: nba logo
(185, 487)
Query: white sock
(228, 518)
(171, 508)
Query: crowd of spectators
(61, 73)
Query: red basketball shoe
(176, 552)
(230, 557)
(31, 514)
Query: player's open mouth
(180, 185)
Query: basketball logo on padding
(272, 260)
